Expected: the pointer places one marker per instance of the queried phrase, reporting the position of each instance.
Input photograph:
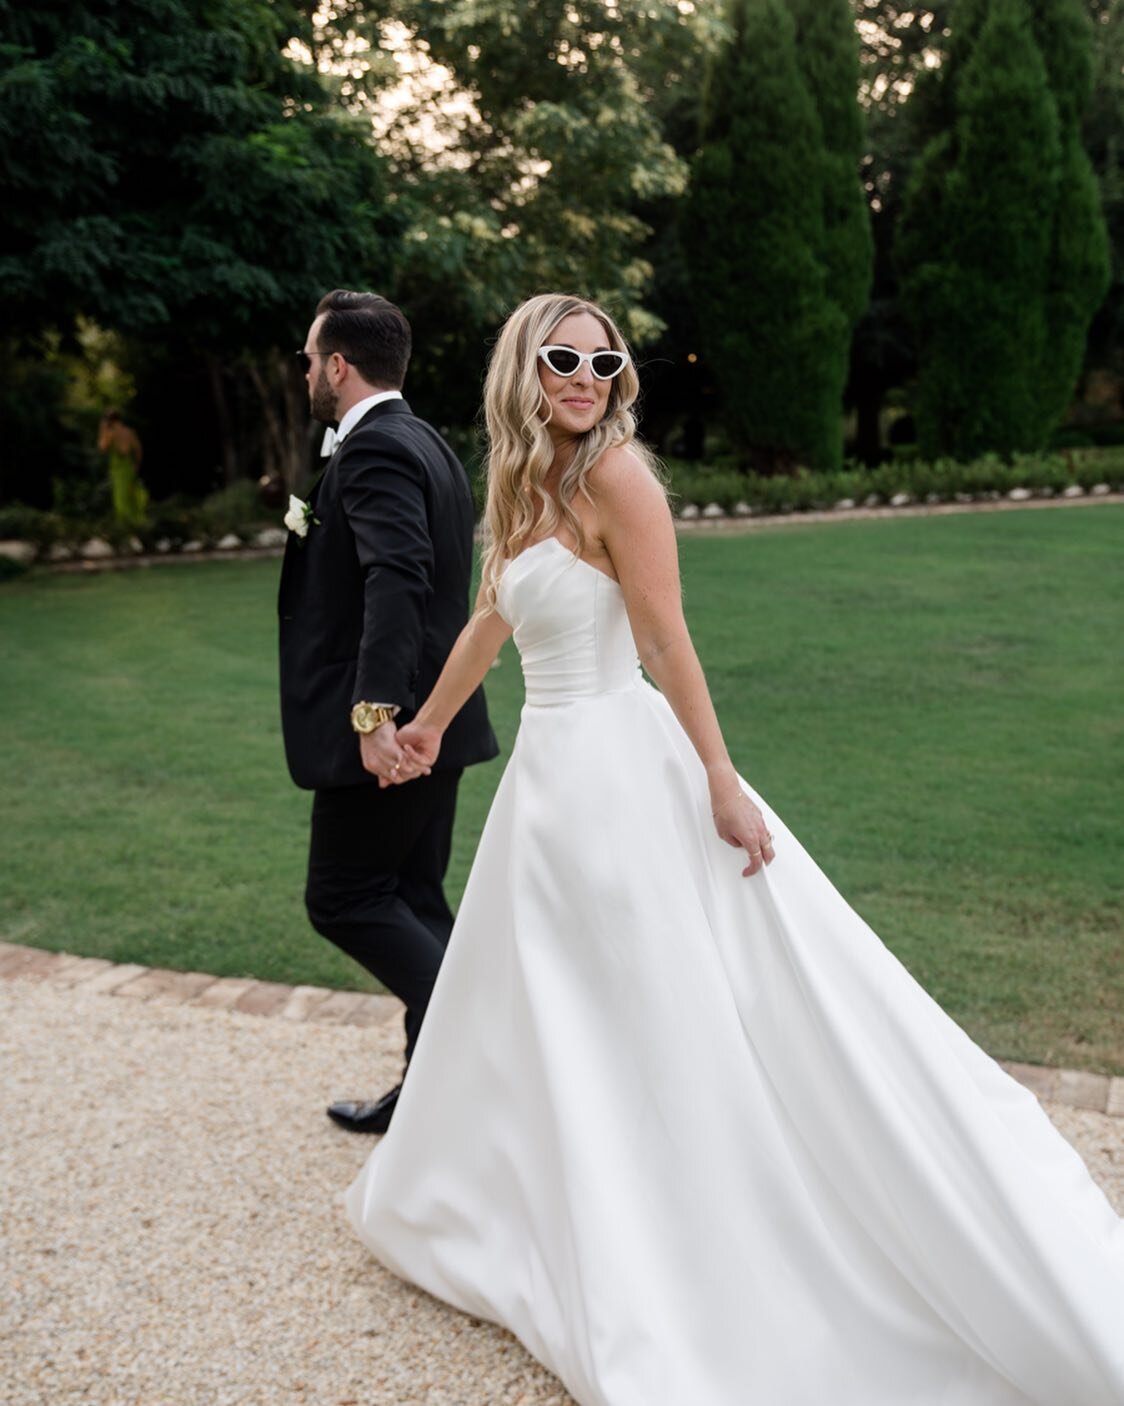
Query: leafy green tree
(1002, 246)
(168, 164)
(557, 169)
(171, 175)
(776, 241)
(525, 152)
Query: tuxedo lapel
(314, 490)
(387, 407)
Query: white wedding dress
(700, 1140)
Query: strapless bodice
(570, 624)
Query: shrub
(86, 499)
(725, 489)
(174, 520)
(10, 568)
(1098, 466)
(236, 508)
(942, 479)
(20, 523)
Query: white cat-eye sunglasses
(565, 361)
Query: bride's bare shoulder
(629, 500)
(624, 471)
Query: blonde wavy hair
(519, 508)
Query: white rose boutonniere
(299, 517)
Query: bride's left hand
(420, 746)
(741, 824)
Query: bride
(677, 1118)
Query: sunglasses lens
(561, 361)
(606, 365)
(304, 361)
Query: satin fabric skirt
(700, 1140)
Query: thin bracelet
(741, 796)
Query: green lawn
(932, 704)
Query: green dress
(130, 497)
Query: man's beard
(324, 401)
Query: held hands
(381, 754)
(395, 754)
(421, 743)
(384, 756)
(740, 823)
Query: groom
(374, 591)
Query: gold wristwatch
(365, 717)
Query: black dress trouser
(376, 870)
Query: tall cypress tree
(754, 227)
(1080, 258)
(1002, 246)
(827, 51)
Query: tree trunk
(295, 466)
(272, 423)
(217, 377)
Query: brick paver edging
(317, 1005)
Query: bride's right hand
(741, 824)
(421, 743)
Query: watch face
(365, 717)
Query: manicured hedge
(237, 511)
(940, 482)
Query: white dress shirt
(334, 437)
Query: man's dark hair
(370, 332)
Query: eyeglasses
(565, 361)
(304, 359)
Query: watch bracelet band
(366, 717)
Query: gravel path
(171, 1223)
(171, 1226)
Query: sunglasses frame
(304, 359)
(583, 359)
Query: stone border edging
(732, 524)
(85, 566)
(728, 525)
(318, 1005)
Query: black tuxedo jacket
(372, 599)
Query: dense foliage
(526, 161)
(777, 227)
(1003, 249)
(168, 173)
(182, 181)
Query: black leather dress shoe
(366, 1117)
